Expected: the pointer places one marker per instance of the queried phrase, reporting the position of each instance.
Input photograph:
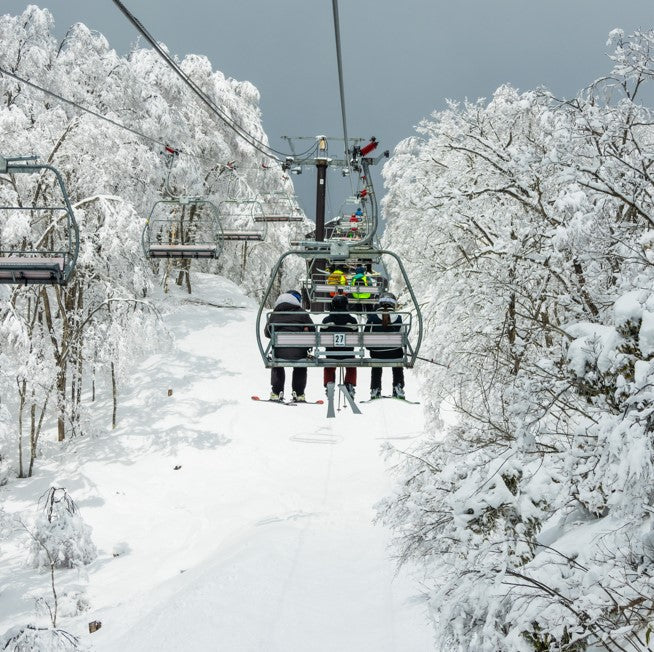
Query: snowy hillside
(221, 523)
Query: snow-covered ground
(221, 523)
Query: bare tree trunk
(77, 363)
(21, 406)
(37, 432)
(185, 274)
(114, 394)
(511, 333)
(32, 434)
(582, 288)
(166, 276)
(61, 404)
(59, 357)
(244, 260)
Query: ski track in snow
(262, 540)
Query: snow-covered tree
(44, 639)
(53, 340)
(60, 537)
(526, 223)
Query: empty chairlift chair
(280, 207)
(242, 220)
(185, 227)
(39, 237)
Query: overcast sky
(401, 59)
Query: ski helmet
(296, 294)
(339, 302)
(387, 301)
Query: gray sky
(401, 59)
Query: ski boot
(398, 392)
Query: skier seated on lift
(359, 283)
(339, 321)
(384, 320)
(353, 232)
(336, 277)
(289, 316)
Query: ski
(267, 400)
(331, 413)
(403, 400)
(395, 398)
(353, 406)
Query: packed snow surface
(222, 523)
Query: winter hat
(287, 297)
(360, 270)
(387, 301)
(339, 302)
(295, 293)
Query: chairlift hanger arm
(374, 161)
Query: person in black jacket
(385, 321)
(339, 321)
(288, 315)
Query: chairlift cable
(180, 73)
(80, 107)
(99, 115)
(339, 60)
(240, 131)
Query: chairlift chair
(352, 221)
(47, 255)
(237, 186)
(406, 338)
(240, 217)
(183, 227)
(279, 206)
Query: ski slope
(261, 540)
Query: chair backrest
(349, 348)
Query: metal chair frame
(183, 236)
(39, 265)
(360, 340)
(336, 253)
(253, 211)
(344, 225)
(279, 206)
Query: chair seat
(242, 236)
(182, 251)
(26, 269)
